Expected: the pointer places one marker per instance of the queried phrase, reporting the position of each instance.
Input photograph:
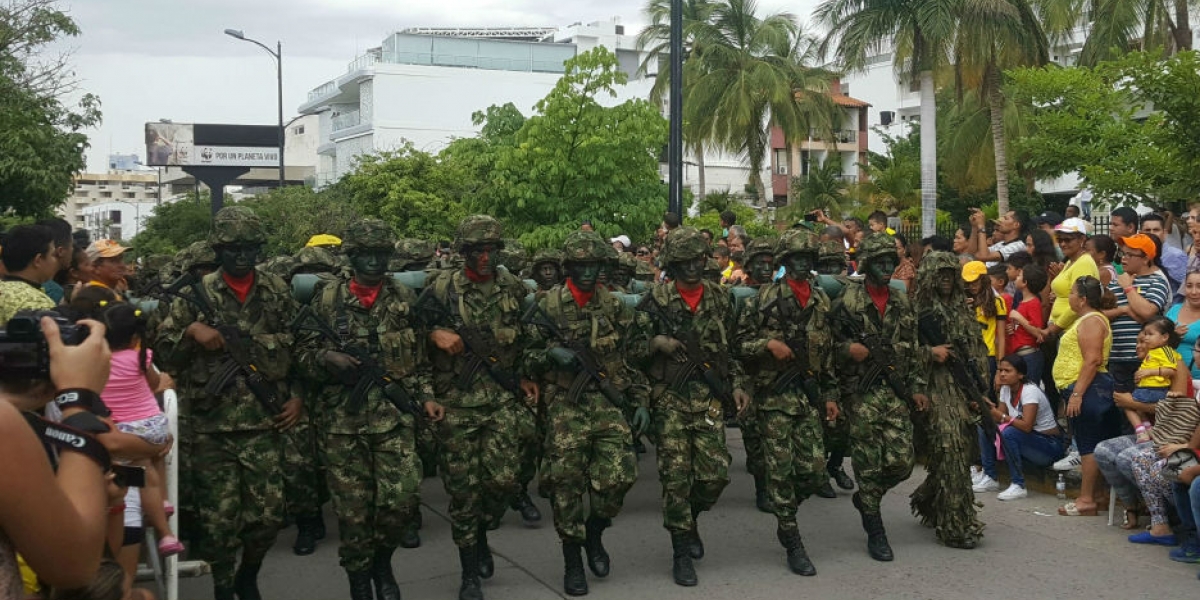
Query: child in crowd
(1015, 262)
(1026, 323)
(129, 394)
(990, 311)
(998, 273)
(1156, 348)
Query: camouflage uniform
(547, 255)
(478, 436)
(412, 254)
(373, 470)
(880, 423)
(693, 461)
(945, 500)
(790, 424)
(832, 255)
(622, 279)
(240, 487)
(748, 421)
(589, 464)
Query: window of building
(845, 89)
(114, 216)
(298, 130)
(106, 194)
(130, 194)
(781, 161)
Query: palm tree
(1118, 26)
(823, 189)
(993, 36)
(747, 73)
(920, 34)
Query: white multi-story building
(116, 220)
(423, 85)
(121, 188)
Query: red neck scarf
(879, 295)
(366, 294)
(240, 285)
(476, 277)
(581, 297)
(691, 297)
(801, 289)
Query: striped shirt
(1175, 420)
(1125, 329)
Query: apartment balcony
(347, 120)
(327, 89)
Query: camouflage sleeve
(638, 390)
(288, 308)
(828, 382)
(636, 340)
(838, 316)
(736, 373)
(172, 347)
(906, 350)
(535, 360)
(420, 380)
(311, 348)
(751, 336)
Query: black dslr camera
(24, 353)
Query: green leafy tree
(823, 188)
(296, 213)
(756, 225)
(173, 226)
(576, 159)
(413, 190)
(1116, 27)
(41, 139)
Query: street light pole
(675, 138)
(278, 54)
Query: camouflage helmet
(795, 241)
(415, 250)
(478, 229)
(157, 262)
(684, 244)
(711, 268)
(314, 259)
(763, 244)
(547, 255)
(512, 255)
(236, 225)
(628, 262)
(832, 250)
(585, 246)
(278, 265)
(195, 255)
(643, 272)
(874, 245)
(371, 234)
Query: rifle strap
(554, 308)
(342, 323)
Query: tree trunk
(702, 190)
(996, 108)
(1183, 27)
(928, 156)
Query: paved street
(1028, 552)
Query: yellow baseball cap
(973, 271)
(323, 239)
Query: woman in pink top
(129, 394)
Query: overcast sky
(155, 59)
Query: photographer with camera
(54, 519)
(31, 259)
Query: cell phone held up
(24, 353)
(127, 476)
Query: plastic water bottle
(1061, 487)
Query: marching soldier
(831, 262)
(240, 485)
(477, 339)
(878, 355)
(690, 330)
(760, 269)
(373, 471)
(945, 500)
(786, 331)
(590, 466)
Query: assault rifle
(237, 360)
(800, 373)
(965, 374)
(880, 361)
(591, 369)
(478, 349)
(692, 359)
(367, 376)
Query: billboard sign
(198, 145)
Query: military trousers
(374, 480)
(837, 439)
(239, 493)
(794, 453)
(944, 500)
(480, 456)
(693, 464)
(589, 463)
(752, 438)
(303, 473)
(881, 445)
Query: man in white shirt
(1010, 228)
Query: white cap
(1073, 225)
(624, 239)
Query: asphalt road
(1028, 551)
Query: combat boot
(487, 566)
(841, 478)
(574, 579)
(797, 558)
(360, 585)
(696, 545)
(472, 588)
(386, 587)
(826, 490)
(877, 542)
(597, 556)
(682, 568)
(761, 501)
(411, 536)
(245, 582)
(306, 535)
(224, 593)
(529, 511)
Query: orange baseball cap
(105, 249)
(1141, 242)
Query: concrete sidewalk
(1028, 551)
